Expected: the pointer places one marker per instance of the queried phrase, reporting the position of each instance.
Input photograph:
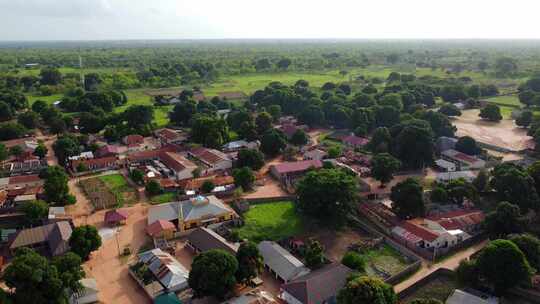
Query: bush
(354, 261)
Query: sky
(221, 19)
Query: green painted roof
(167, 298)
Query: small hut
(161, 229)
(116, 217)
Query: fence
(263, 200)
(425, 280)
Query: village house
(20, 182)
(169, 136)
(255, 296)
(50, 240)
(445, 143)
(82, 155)
(288, 172)
(318, 287)
(164, 162)
(196, 212)
(30, 165)
(161, 229)
(211, 159)
(463, 161)
(315, 154)
(204, 239)
(281, 263)
(354, 141)
(235, 146)
(107, 151)
(417, 235)
(168, 274)
(445, 166)
(290, 129)
(470, 297)
(95, 164)
(28, 145)
(134, 143)
(445, 177)
(181, 167)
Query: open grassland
(163, 198)
(385, 261)
(439, 288)
(271, 221)
(507, 101)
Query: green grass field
(509, 101)
(163, 198)
(439, 288)
(271, 221)
(115, 182)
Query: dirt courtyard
(336, 243)
(504, 133)
(111, 272)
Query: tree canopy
(407, 199)
(213, 273)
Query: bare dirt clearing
(503, 134)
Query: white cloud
(161, 19)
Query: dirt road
(449, 263)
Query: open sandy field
(504, 133)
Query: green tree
(413, 144)
(137, 176)
(468, 145)
(273, 142)
(210, 131)
(334, 152)
(84, 240)
(275, 111)
(534, 172)
(530, 246)
(380, 141)
(207, 186)
(16, 151)
(4, 153)
(314, 254)
(29, 119)
(35, 211)
(439, 195)
(363, 289)
(50, 76)
(213, 274)
(34, 279)
(327, 194)
(244, 177)
(503, 221)
(491, 112)
(459, 189)
(524, 119)
(407, 199)
(354, 261)
(481, 181)
(70, 270)
(392, 100)
(250, 262)
(383, 167)
(505, 66)
(467, 273)
(39, 106)
(250, 158)
(66, 146)
(299, 138)
(138, 116)
(449, 109)
(513, 184)
(153, 187)
(41, 151)
(183, 112)
(56, 186)
(11, 130)
(503, 265)
(263, 122)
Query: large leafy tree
(513, 184)
(381, 140)
(413, 143)
(244, 177)
(503, 221)
(35, 211)
(34, 279)
(56, 186)
(250, 158)
(250, 262)
(407, 198)
(209, 131)
(299, 138)
(440, 124)
(139, 116)
(327, 194)
(70, 270)
(503, 265)
(213, 273)
(66, 146)
(183, 112)
(263, 122)
(530, 246)
(468, 145)
(449, 109)
(50, 76)
(491, 112)
(383, 167)
(273, 142)
(84, 240)
(363, 289)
